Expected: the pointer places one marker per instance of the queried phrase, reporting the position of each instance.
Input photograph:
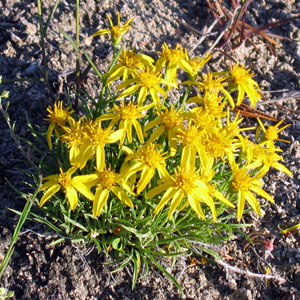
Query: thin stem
(77, 56)
(42, 43)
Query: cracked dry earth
(66, 271)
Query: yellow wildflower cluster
(168, 154)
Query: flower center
(107, 179)
(58, 115)
(215, 144)
(239, 75)
(99, 136)
(170, 118)
(64, 180)
(151, 157)
(188, 136)
(129, 59)
(271, 133)
(185, 181)
(241, 180)
(173, 55)
(129, 112)
(148, 78)
(211, 85)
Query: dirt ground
(66, 271)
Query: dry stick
(266, 26)
(218, 39)
(235, 21)
(204, 35)
(236, 269)
(290, 96)
(249, 273)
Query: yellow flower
(97, 138)
(168, 122)
(270, 134)
(264, 156)
(232, 128)
(197, 63)
(242, 80)
(207, 175)
(70, 186)
(212, 85)
(57, 118)
(147, 159)
(184, 184)
(116, 31)
(74, 136)
(146, 81)
(107, 181)
(190, 137)
(245, 186)
(128, 116)
(203, 119)
(173, 58)
(128, 63)
(216, 144)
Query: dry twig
(237, 270)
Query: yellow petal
(220, 197)
(262, 193)
(172, 142)
(146, 176)
(72, 197)
(142, 96)
(151, 124)
(138, 130)
(122, 196)
(177, 198)
(101, 198)
(49, 183)
(293, 228)
(116, 135)
(49, 133)
(157, 190)
(82, 189)
(131, 90)
(251, 199)
(241, 205)
(156, 133)
(195, 205)
(49, 193)
(100, 158)
(102, 31)
(88, 180)
(166, 197)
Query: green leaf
(58, 241)
(67, 219)
(115, 243)
(136, 268)
(165, 272)
(51, 16)
(93, 66)
(67, 37)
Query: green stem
(42, 43)
(77, 56)
(15, 236)
(185, 96)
